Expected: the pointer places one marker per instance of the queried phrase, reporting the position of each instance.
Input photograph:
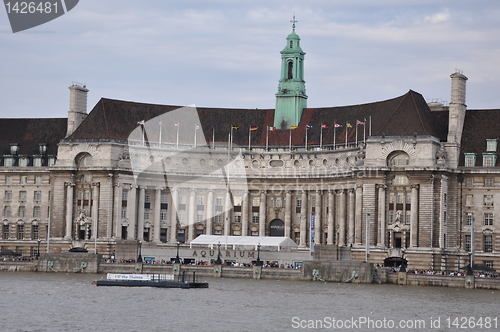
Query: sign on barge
(152, 280)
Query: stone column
(331, 231)
(174, 193)
(131, 212)
(303, 220)
(381, 215)
(157, 216)
(209, 212)
(342, 217)
(228, 206)
(262, 213)
(191, 215)
(118, 211)
(414, 216)
(95, 210)
(244, 214)
(109, 222)
(140, 217)
(69, 209)
(359, 214)
(288, 213)
(317, 218)
(350, 218)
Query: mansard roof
(29, 133)
(479, 125)
(401, 116)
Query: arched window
(398, 159)
(85, 160)
(291, 44)
(290, 70)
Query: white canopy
(244, 241)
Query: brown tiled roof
(479, 125)
(29, 133)
(401, 116)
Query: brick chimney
(77, 107)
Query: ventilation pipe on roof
(77, 107)
(457, 107)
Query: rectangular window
(34, 231)
(469, 182)
(37, 162)
(37, 195)
(237, 217)
(22, 196)
(7, 211)
(488, 219)
(8, 195)
(470, 159)
(9, 179)
(36, 212)
(255, 217)
(147, 197)
(279, 202)
(489, 160)
(5, 232)
(237, 200)
(298, 216)
(489, 182)
(124, 195)
(391, 216)
(163, 215)
(255, 201)
(408, 217)
(400, 198)
(181, 216)
(469, 200)
(164, 199)
(299, 202)
(23, 162)
(8, 162)
(488, 264)
(22, 211)
(181, 199)
(469, 218)
(391, 198)
(199, 216)
(408, 198)
(488, 243)
(24, 179)
(217, 218)
(146, 214)
(218, 201)
(124, 212)
(467, 243)
(488, 200)
(20, 232)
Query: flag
(253, 128)
(336, 125)
(271, 128)
(324, 126)
(196, 127)
(308, 126)
(360, 122)
(234, 127)
(348, 125)
(177, 124)
(159, 123)
(293, 127)
(141, 123)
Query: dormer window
(42, 147)
(399, 159)
(24, 161)
(489, 159)
(14, 148)
(470, 159)
(491, 145)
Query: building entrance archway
(277, 227)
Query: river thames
(70, 302)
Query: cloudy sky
(226, 53)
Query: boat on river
(152, 280)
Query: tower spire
(293, 21)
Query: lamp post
(218, 261)
(38, 251)
(139, 258)
(258, 262)
(177, 258)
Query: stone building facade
(396, 175)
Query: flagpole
(346, 129)
(159, 139)
(213, 137)
(249, 136)
(306, 138)
(370, 126)
(267, 138)
(356, 132)
(177, 136)
(321, 137)
(290, 140)
(231, 138)
(364, 132)
(228, 153)
(195, 129)
(334, 136)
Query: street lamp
(258, 262)
(177, 258)
(218, 261)
(139, 258)
(38, 251)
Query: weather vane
(293, 21)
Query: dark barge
(152, 280)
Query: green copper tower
(291, 98)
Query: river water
(70, 302)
